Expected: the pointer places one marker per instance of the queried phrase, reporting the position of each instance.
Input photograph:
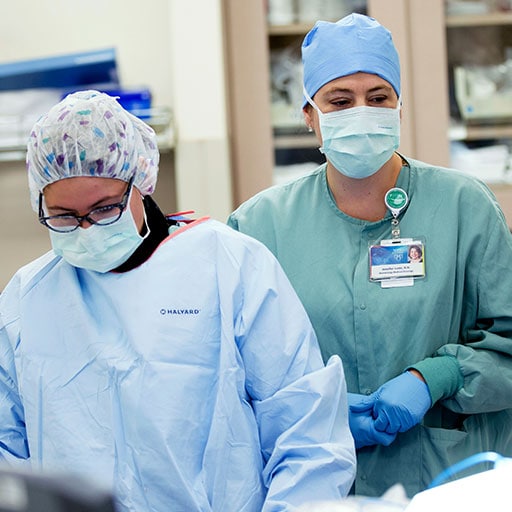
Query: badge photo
(395, 259)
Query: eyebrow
(337, 90)
(97, 204)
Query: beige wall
(203, 167)
(22, 237)
(248, 84)
(138, 30)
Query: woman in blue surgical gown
(170, 361)
(426, 345)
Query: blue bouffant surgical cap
(89, 134)
(356, 43)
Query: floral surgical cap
(89, 134)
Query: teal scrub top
(454, 325)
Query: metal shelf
(296, 29)
(479, 20)
(295, 141)
(461, 131)
(13, 147)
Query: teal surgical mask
(99, 248)
(358, 141)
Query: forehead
(358, 83)
(83, 188)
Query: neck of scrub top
(158, 230)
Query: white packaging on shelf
(486, 163)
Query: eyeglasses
(103, 216)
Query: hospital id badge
(397, 262)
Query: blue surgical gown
(191, 383)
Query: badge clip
(396, 200)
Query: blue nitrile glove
(362, 424)
(400, 403)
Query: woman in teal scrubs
(426, 346)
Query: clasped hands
(396, 406)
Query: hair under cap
(356, 43)
(88, 133)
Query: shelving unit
(479, 40)
(287, 134)
(292, 144)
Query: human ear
(308, 118)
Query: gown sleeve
(300, 405)
(13, 437)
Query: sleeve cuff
(442, 375)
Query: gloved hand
(362, 424)
(400, 403)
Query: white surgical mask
(358, 141)
(99, 248)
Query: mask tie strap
(310, 100)
(315, 106)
